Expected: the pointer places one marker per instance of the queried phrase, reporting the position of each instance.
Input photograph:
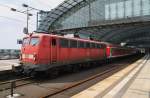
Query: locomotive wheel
(18, 71)
(75, 68)
(87, 65)
(53, 73)
(108, 61)
(33, 74)
(67, 68)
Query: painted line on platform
(121, 85)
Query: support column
(90, 12)
(37, 20)
(149, 7)
(116, 11)
(124, 6)
(141, 7)
(109, 11)
(132, 8)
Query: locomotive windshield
(34, 41)
(26, 41)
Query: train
(51, 53)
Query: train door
(53, 50)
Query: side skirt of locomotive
(55, 68)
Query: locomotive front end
(29, 53)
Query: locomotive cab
(29, 50)
(30, 55)
(38, 52)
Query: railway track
(79, 83)
(15, 82)
(66, 86)
(8, 76)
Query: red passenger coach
(115, 51)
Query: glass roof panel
(74, 3)
(58, 11)
(70, 1)
(65, 4)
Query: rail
(84, 81)
(13, 83)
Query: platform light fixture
(24, 12)
(32, 8)
(29, 8)
(12, 9)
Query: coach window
(73, 44)
(96, 45)
(99, 46)
(53, 42)
(64, 43)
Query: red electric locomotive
(44, 52)
(51, 53)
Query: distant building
(9, 53)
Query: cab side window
(93, 45)
(87, 45)
(73, 44)
(81, 44)
(64, 43)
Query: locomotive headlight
(23, 56)
(29, 56)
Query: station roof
(57, 12)
(130, 34)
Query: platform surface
(7, 64)
(131, 82)
(140, 87)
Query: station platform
(6, 65)
(131, 82)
